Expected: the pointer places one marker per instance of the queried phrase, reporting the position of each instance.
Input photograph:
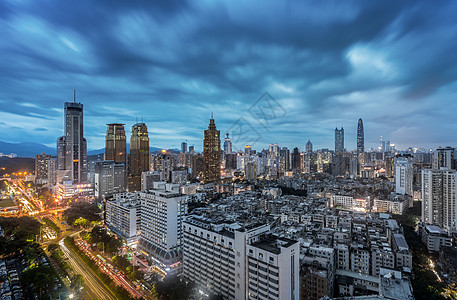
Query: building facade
(72, 147)
(339, 140)
(41, 168)
(163, 209)
(439, 198)
(110, 178)
(139, 155)
(240, 262)
(123, 215)
(212, 153)
(360, 137)
(116, 143)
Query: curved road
(92, 283)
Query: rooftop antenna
(211, 115)
(74, 95)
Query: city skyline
(128, 62)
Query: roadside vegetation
(424, 282)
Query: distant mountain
(31, 149)
(25, 149)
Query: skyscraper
(139, 155)
(41, 167)
(184, 147)
(403, 176)
(139, 149)
(212, 153)
(339, 140)
(439, 198)
(116, 143)
(227, 145)
(444, 157)
(360, 137)
(72, 147)
(309, 147)
(296, 160)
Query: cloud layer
(172, 63)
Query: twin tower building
(72, 164)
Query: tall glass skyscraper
(72, 147)
(212, 153)
(139, 149)
(116, 143)
(339, 140)
(227, 145)
(360, 137)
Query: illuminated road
(93, 286)
(107, 269)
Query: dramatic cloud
(172, 63)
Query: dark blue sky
(392, 63)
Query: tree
(53, 247)
(77, 282)
(81, 222)
(84, 210)
(41, 277)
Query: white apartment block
(163, 209)
(434, 237)
(342, 201)
(240, 262)
(390, 206)
(273, 268)
(439, 205)
(122, 216)
(403, 177)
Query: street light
(71, 296)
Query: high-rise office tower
(439, 198)
(41, 167)
(184, 147)
(109, 178)
(444, 158)
(212, 153)
(191, 149)
(247, 149)
(309, 147)
(139, 155)
(227, 145)
(72, 147)
(139, 149)
(360, 137)
(403, 176)
(273, 150)
(296, 160)
(339, 140)
(116, 143)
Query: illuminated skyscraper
(116, 143)
(72, 147)
(360, 137)
(139, 149)
(212, 153)
(339, 140)
(309, 147)
(227, 145)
